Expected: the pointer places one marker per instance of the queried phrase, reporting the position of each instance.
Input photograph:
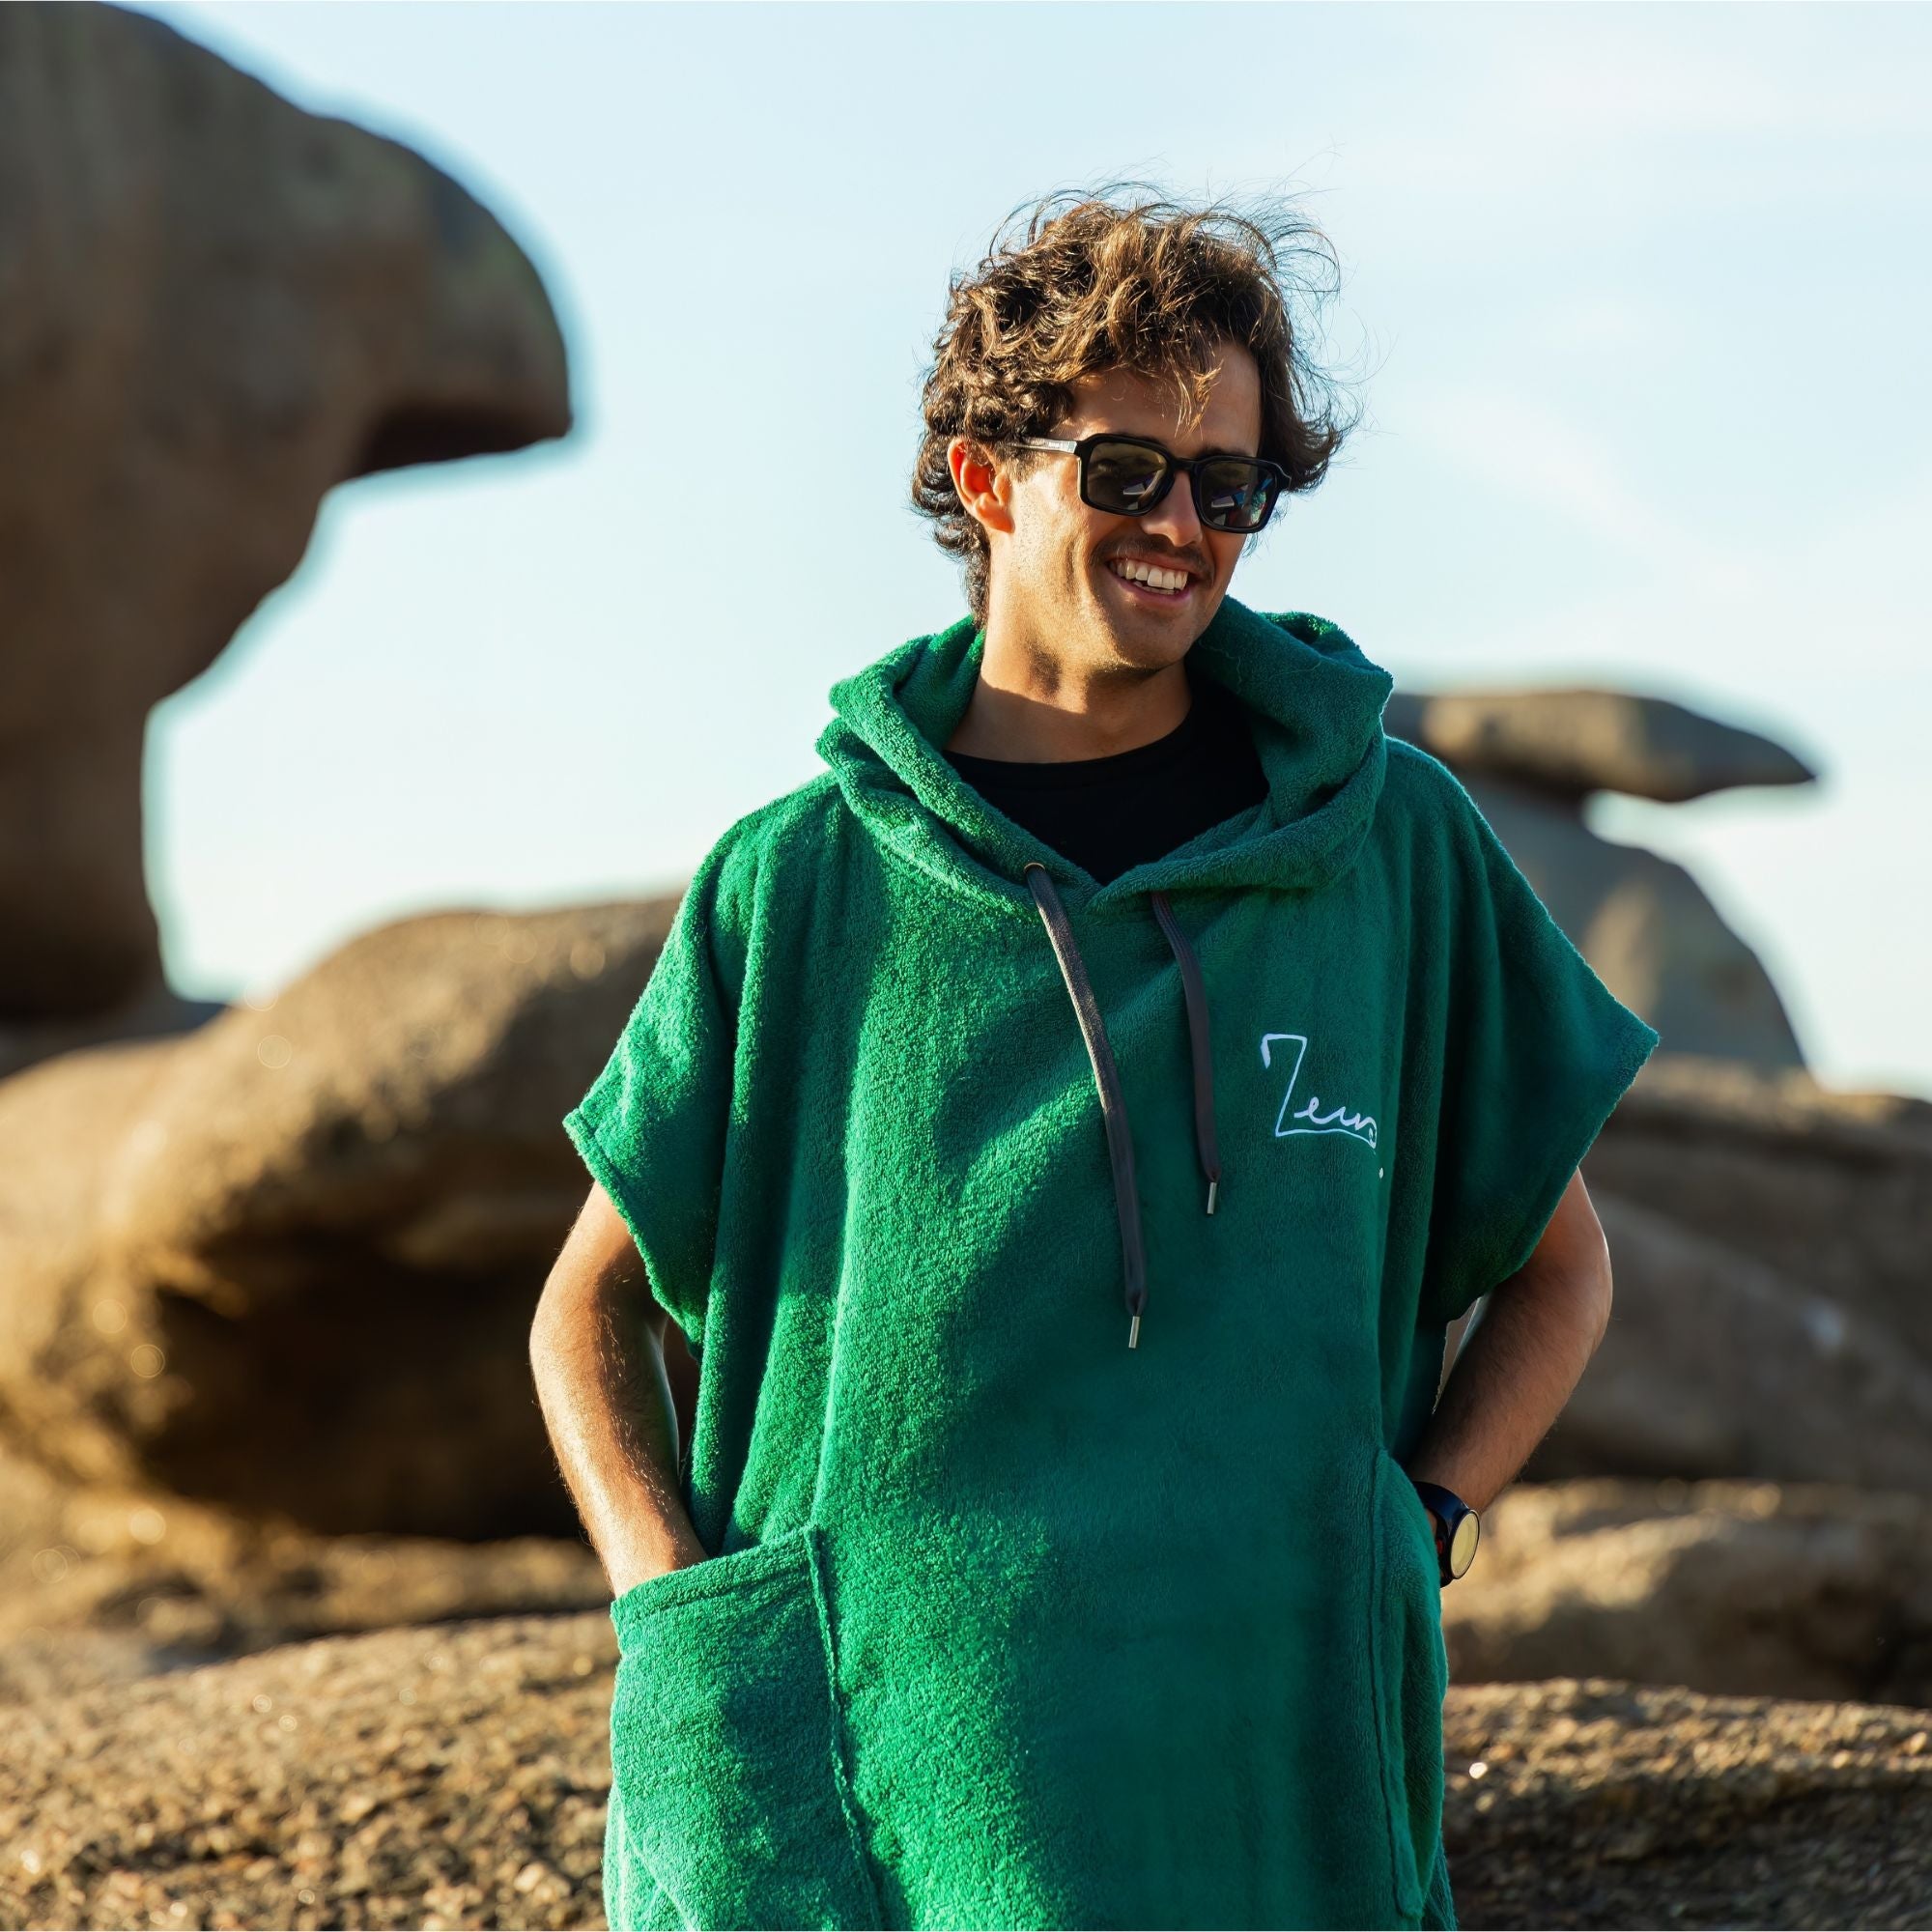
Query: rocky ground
(415, 1777)
(218, 1723)
(1805, 1591)
(1599, 1803)
(458, 1777)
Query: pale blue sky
(1639, 295)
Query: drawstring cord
(1195, 990)
(1107, 1078)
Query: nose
(1174, 516)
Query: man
(1064, 1132)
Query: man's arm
(1521, 1359)
(597, 1355)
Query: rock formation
(214, 309)
(1767, 1237)
(1834, 1188)
(1530, 758)
(1717, 1364)
(289, 1260)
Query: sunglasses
(1127, 475)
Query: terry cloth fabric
(1125, 807)
(1010, 1623)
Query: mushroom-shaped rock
(1574, 741)
(1647, 927)
(214, 307)
(1530, 757)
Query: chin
(1153, 648)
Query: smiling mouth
(1151, 582)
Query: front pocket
(1412, 1675)
(725, 1746)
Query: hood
(1313, 701)
(1314, 705)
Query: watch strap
(1446, 1510)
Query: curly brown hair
(1094, 283)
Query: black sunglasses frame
(1171, 464)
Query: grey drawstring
(1107, 1078)
(1195, 992)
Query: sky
(1631, 301)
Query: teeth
(1146, 573)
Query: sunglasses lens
(1123, 477)
(1235, 496)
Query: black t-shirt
(1110, 814)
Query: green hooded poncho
(1008, 1623)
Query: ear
(983, 487)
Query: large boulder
(288, 1262)
(461, 1775)
(1717, 1364)
(1829, 1189)
(1736, 1588)
(214, 307)
(1768, 1237)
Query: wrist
(1455, 1526)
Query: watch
(1457, 1528)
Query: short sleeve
(653, 1127)
(1535, 1054)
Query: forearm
(1518, 1366)
(600, 1378)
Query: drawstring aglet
(1212, 1187)
(1133, 1331)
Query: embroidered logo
(1338, 1120)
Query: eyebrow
(1214, 449)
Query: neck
(1036, 705)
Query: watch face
(1463, 1544)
